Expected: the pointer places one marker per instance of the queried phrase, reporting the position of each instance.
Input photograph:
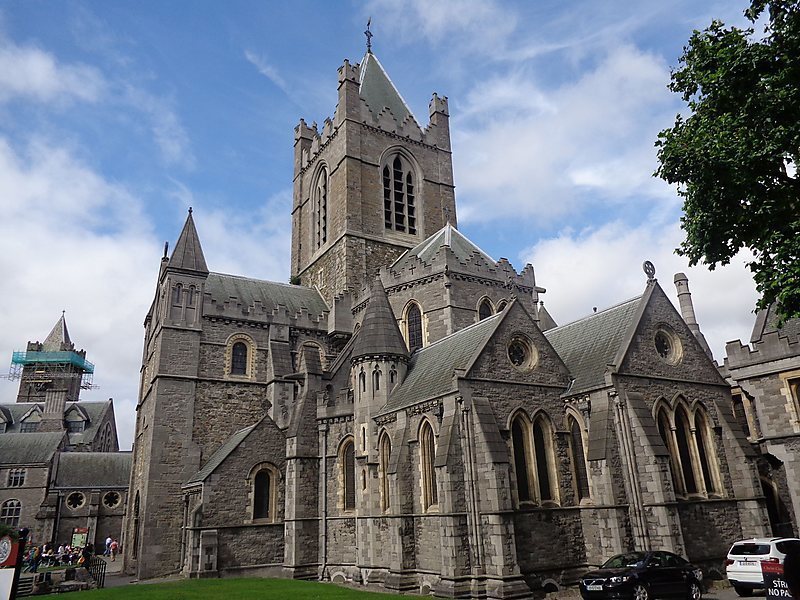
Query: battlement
(348, 72)
(771, 347)
(234, 310)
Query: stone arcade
(409, 415)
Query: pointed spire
(58, 338)
(379, 334)
(378, 91)
(188, 255)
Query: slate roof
(246, 291)
(188, 254)
(379, 334)
(221, 454)
(28, 448)
(462, 247)
(378, 91)
(430, 373)
(589, 344)
(94, 470)
(58, 338)
(94, 410)
(767, 322)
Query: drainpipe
(323, 432)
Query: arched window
(485, 309)
(399, 195)
(321, 209)
(384, 456)
(348, 459)
(9, 513)
(427, 448)
(534, 463)
(414, 327)
(705, 451)
(682, 437)
(362, 381)
(190, 296)
(264, 481)
(376, 380)
(502, 304)
(239, 359)
(177, 295)
(578, 459)
(392, 376)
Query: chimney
(687, 310)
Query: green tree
(735, 157)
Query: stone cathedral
(407, 414)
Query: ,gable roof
(95, 411)
(28, 448)
(379, 334)
(449, 236)
(94, 470)
(58, 338)
(246, 291)
(221, 454)
(188, 254)
(430, 373)
(378, 91)
(589, 344)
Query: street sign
(775, 585)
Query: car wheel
(743, 591)
(640, 592)
(695, 593)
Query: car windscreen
(750, 549)
(631, 559)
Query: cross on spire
(369, 34)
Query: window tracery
(534, 462)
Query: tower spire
(188, 254)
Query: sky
(115, 117)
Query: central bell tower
(368, 186)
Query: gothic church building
(408, 414)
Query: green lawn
(234, 589)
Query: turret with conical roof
(183, 278)
(188, 254)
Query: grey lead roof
(449, 236)
(94, 410)
(589, 344)
(430, 373)
(221, 454)
(378, 91)
(379, 334)
(28, 448)
(188, 253)
(94, 470)
(245, 291)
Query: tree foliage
(736, 156)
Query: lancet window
(321, 209)
(427, 449)
(348, 475)
(534, 463)
(264, 481)
(413, 326)
(384, 456)
(399, 195)
(578, 459)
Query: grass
(234, 589)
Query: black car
(643, 576)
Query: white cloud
(33, 73)
(541, 152)
(71, 240)
(266, 69)
(600, 267)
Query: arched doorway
(779, 518)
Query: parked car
(643, 576)
(743, 565)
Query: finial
(368, 33)
(63, 312)
(649, 270)
(166, 249)
(190, 210)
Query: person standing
(108, 546)
(114, 547)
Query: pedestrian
(108, 546)
(114, 547)
(791, 570)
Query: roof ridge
(592, 315)
(280, 283)
(455, 333)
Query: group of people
(112, 548)
(47, 555)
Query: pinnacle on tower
(379, 334)
(188, 254)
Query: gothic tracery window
(534, 461)
(399, 195)
(414, 327)
(321, 209)
(427, 447)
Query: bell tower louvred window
(321, 209)
(399, 196)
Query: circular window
(111, 499)
(75, 500)
(521, 353)
(667, 345)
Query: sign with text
(775, 585)
(79, 535)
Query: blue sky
(117, 116)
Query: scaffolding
(44, 367)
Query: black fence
(97, 569)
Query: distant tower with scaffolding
(52, 372)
